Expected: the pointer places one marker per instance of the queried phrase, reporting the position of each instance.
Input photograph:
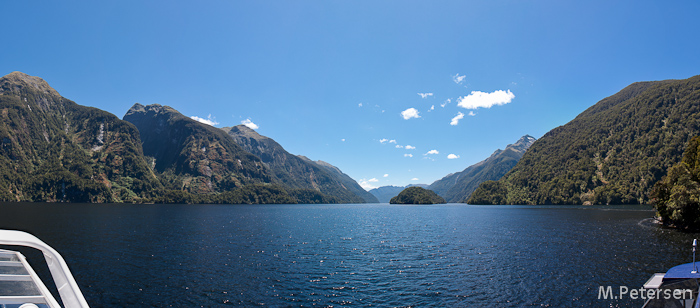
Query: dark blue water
(352, 255)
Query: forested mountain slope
(612, 153)
(53, 149)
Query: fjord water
(352, 255)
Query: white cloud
(478, 99)
(447, 101)
(359, 105)
(452, 156)
(431, 108)
(373, 180)
(392, 141)
(408, 155)
(398, 146)
(456, 119)
(432, 152)
(366, 185)
(458, 79)
(343, 140)
(250, 124)
(409, 147)
(207, 121)
(424, 95)
(383, 140)
(410, 113)
(471, 113)
(386, 175)
(414, 179)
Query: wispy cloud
(408, 155)
(398, 146)
(431, 108)
(359, 105)
(207, 121)
(447, 101)
(458, 79)
(456, 119)
(452, 156)
(367, 184)
(409, 147)
(425, 95)
(386, 175)
(432, 152)
(414, 179)
(250, 124)
(471, 113)
(383, 140)
(343, 140)
(410, 113)
(392, 141)
(478, 99)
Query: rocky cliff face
(294, 171)
(193, 156)
(54, 149)
(457, 187)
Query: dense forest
(417, 195)
(612, 153)
(677, 197)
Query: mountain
(457, 187)
(53, 149)
(417, 195)
(346, 180)
(612, 153)
(294, 171)
(385, 193)
(199, 158)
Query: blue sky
(332, 80)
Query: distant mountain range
(457, 187)
(612, 153)
(52, 149)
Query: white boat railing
(65, 283)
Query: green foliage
(52, 149)
(417, 195)
(250, 194)
(677, 197)
(489, 192)
(309, 196)
(612, 153)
